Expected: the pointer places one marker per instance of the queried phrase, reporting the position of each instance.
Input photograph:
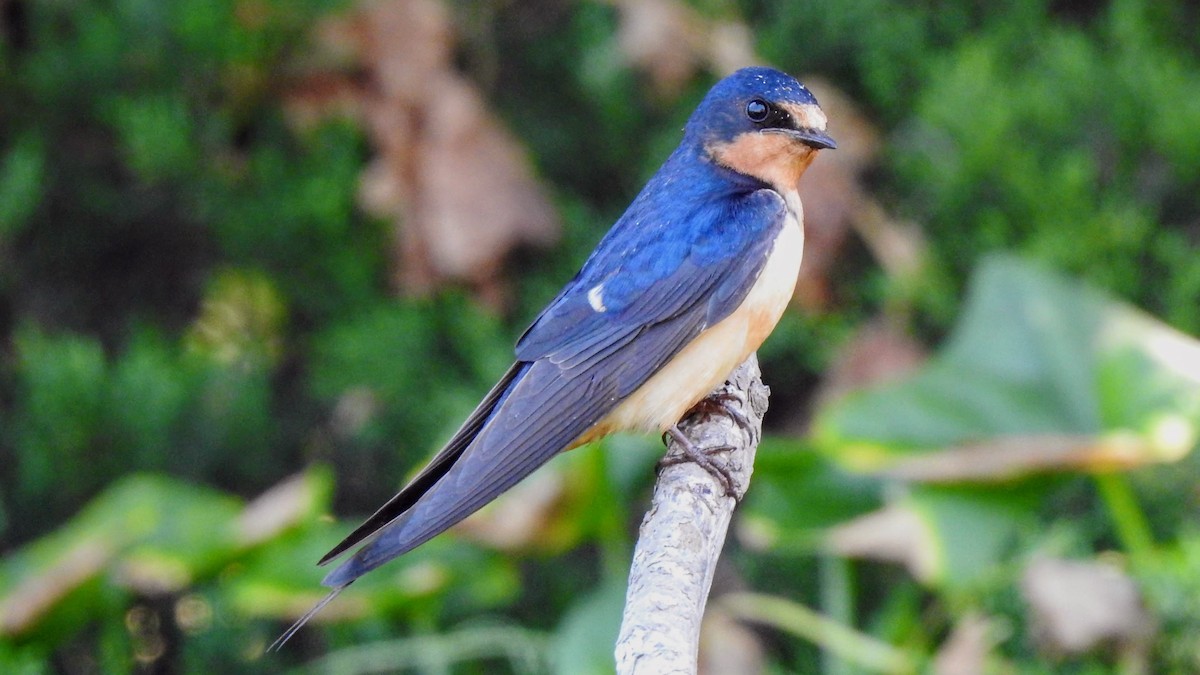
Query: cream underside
(711, 357)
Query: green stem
(853, 647)
(837, 602)
(1130, 523)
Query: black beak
(817, 139)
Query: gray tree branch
(684, 532)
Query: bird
(687, 284)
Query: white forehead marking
(596, 299)
(807, 115)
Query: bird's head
(761, 123)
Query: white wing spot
(596, 299)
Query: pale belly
(717, 351)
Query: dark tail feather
(541, 415)
(402, 502)
(433, 471)
(287, 634)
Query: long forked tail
(433, 472)
(407, 497)
(287, 634)
(532, 415)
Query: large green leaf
(1036, 359)
(148, 534)
(148, 529)
(798, 493)
(1042, 376)
(583, 643)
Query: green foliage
(20, 184)
(588, 631)
(1043, 355)
(1070, 138)
(62, 397)
(1066, 144)
(1042, 380)
(84, 420)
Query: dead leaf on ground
(895, 533)
(966, 651)
(727, 645)
(1077, 606)
(1009, 458)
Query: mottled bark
(684, 531)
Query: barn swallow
(684, 287)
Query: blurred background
(259, 258)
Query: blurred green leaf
(148, 398)
(861, 650)
(21, 183)
(23, 660)
(62, 384)
(148, 532)
(1034, 354)
(145, 535)
(523, 650)
(241, 321)
(949, 537)
(583, 644)
(971, 529)
(797, 494)
(445, 578)
(1042, 375)
(157, 135)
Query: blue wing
(643, 274)
(575, 363)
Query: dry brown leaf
(280, 507)
(727, 645)
(895, 533)
(320, 96)
(1007, 458)
(832, 192)
(880, 352)
(670, 42)
(458, 186)
(898, 246)
(29, 600)
(663, 38)
(837, 203)
(475, 197)
(1077, 606)
(966, 651)
(730, 46)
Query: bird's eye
(758, 110)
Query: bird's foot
(724, 403)
(704, 458)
